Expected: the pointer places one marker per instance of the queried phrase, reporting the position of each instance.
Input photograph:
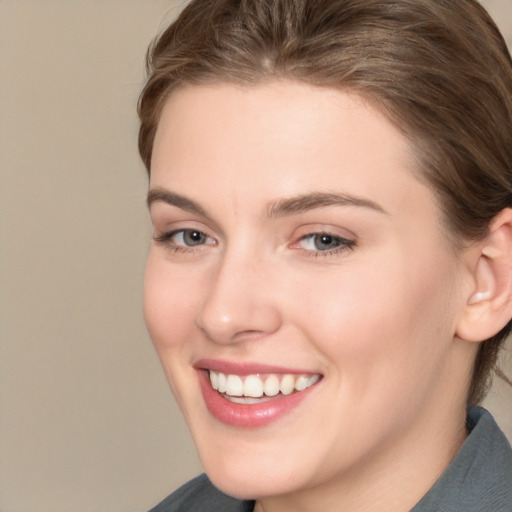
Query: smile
(246, 389)
(253, 395)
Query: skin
(377, 318)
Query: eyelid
(344, 241)
(347, 241)
(168, 235)
(164, 215)
(166, 238)
(308, 228)
(167, 224)
(315, 228)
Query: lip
(247, 415)
(242, 369)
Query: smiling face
(299, 266)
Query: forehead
(275, 110)
(280, 138)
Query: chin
(253, 470)
(251, 484)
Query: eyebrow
(182, 202)
(306, 202)
(279, 208)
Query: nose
(239, 302)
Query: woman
(330, 277)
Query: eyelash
(345, 244)
(166, 239)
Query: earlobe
(489, 305)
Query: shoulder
(480, 476)
(200, 495)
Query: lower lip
(248, 415)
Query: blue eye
(184, 239)
(190, 237)
(325, 242)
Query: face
(300, 290)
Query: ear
(489, 304)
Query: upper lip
(246, 368)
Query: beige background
(87, 423)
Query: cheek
(169, 304)
(169, 312)
(384, 335)
(380, 319)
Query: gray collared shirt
(480, 477)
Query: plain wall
(87, 422)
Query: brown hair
(438, 69)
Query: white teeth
(234, 386)
(214, 379)
(271, 386)
(246, 399)
(287, 384)
(222, 383)
(304, 382)
(255, 386)
(301, 383)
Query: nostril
(220, 335)
(230, 313)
